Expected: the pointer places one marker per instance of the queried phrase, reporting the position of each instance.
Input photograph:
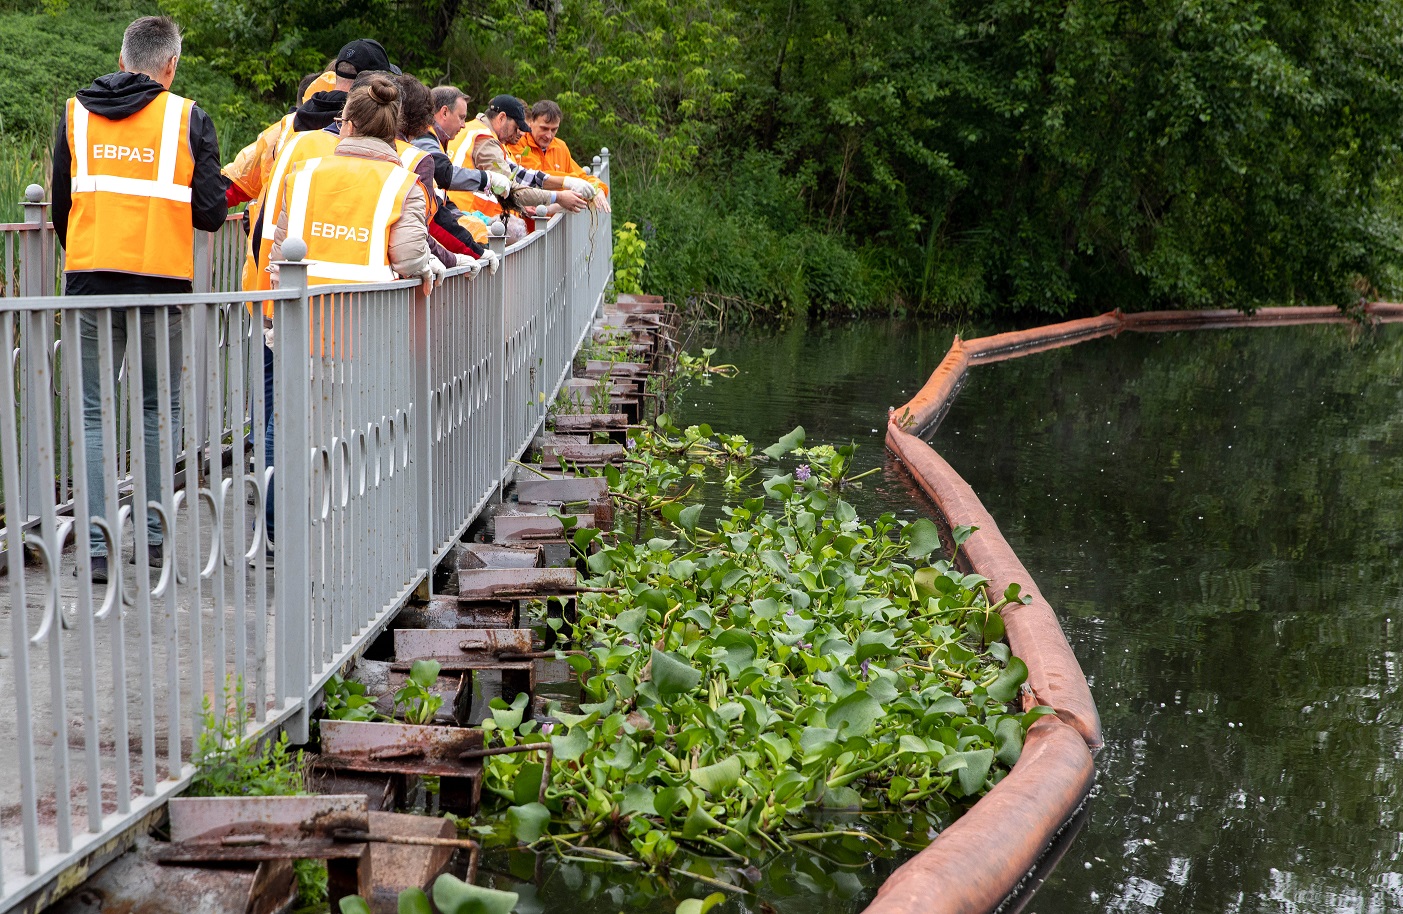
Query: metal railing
(397, 419)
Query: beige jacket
(489, 155)
(409, 235)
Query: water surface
(1217, 518)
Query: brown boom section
(975, 863)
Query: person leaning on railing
(481, 145)
(448, 236)
(135, 172)
(541, 149)
(332, 203)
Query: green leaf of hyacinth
(971, 768)
(688, 516)
(672, 674)
(1005, 688)
(527, 786)
(571, 746)
(786, 444)
(859, 711)
(454, 896)
(721, 776)
(700, 905)
(425, 672)
(412, 901)
(528, 822)
(354, 904)
(922, 538)
(1008, 741)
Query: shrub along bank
(747, 671)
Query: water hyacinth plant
(744, 677)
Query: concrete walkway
(158, 662)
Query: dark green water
(1218, 519)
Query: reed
(23, 161)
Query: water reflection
(1217, 519)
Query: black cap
(363, 54)
(512, 106)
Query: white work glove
(581, 187)
(490, 261)
(498, 184)
(432, 275)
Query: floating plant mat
(772, 697)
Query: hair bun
(384, 91)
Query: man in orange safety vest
(135, 173)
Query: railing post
(35, 350)
(292, 460)
(424, 468)
(497, 243)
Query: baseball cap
(363, 54)
(512, 106)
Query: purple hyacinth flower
(802, 472)
(864, 669)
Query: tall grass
(23, 161)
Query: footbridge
(399, 417)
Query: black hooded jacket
(116, 96)
(317, 112)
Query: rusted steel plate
(308, 848)
(558, 491)
(628, 300)
(453, 645)
(617, 386)
(515, 583)
(490, 555)
(445, 611)
(354, 738)
(596, 367)
(136, 883)
(547, 438)
(195, 820)
(379, 789)
(584, 453)
(537, 527)
(406, 866)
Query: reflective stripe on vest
(346, 178)
(130, 181)
(477, 201)
(410, 156)
(295, 147)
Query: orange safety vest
(460, 149)
(294, 147)
(343, 207)
(556, 160)
(409, 157)
(130, 182)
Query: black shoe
(155, 557)
(99, 569)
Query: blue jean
(151, 414)
(268, 433)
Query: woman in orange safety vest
(361, 214)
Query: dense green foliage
(1007, 155)
(746, 671)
